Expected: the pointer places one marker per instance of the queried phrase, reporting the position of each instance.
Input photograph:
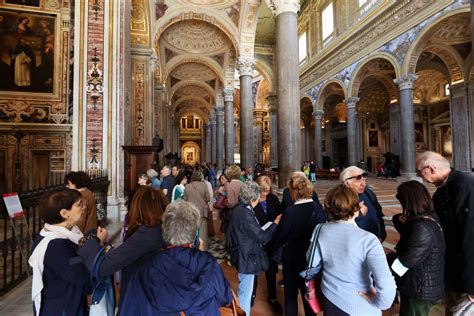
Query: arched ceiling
(200, 41)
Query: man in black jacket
(454, 205)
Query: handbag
(313, 283)
(233, 309)
(220, 203)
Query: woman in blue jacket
(60, 283)
(143, 238)
(181, 278)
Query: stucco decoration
(195, 36)
(215, 4)
(192, 90)
(429, 87)
(193, 71)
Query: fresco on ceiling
(27, 51)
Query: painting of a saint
(419, 133)
(27, 51)
(373, 139)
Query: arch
(356, 77)
(265, 70)
(418, 45)
(451, 59)
(321, 96)
(307, 96)
(190, 152)
(183, 59)
(182, 13)
(434, 66)
(184, 83)
(191, 98)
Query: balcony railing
(15, 252)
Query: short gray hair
(250, 191)
(180, 223)
(431, 158)
(346, 173)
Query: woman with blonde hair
(294, 233)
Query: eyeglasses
(418, 171)
(358, 177)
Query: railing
(15, 253)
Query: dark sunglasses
(358, 177)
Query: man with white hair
(371, 217)
(454, 203)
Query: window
(367, 5)
(302, 48)
(446, 89)
(328, 23)
(362, 2)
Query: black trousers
(329, 308)
(270, 275)
(294, 283)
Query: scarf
(36, 261)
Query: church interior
(117, 87)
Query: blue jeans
(245, 291)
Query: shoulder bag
(313, 284)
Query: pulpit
(138, 159)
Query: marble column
(352, 140)
(288, 87)
(395, 128)
(220, 130)
(460, 126)
(259, 115)
(208, 141)
(407, 125)
(318, 138)
(229, 125)
(246, 67)
(213, 138)
(272, 100)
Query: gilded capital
(219, 99)
(246, 66)
(351, 102)
(281, 6)
(405, 81)
(229, 94)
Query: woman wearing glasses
(371, 221)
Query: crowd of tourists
(167, 270)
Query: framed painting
(31, 3)
(419, 133)
(373, 138)
(27, 52)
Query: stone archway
(190, 153)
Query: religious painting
(373, 138)
(31, 3)
(27, 43)
(419, 133)
(189, 157)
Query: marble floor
(18, 301)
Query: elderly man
(371, 220)
(454, 203)
(167, 184)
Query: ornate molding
(405, 81)
(348, 49)
(94, 82)
(246, 66)
(229, 94)
(351, 102)
(318, 114)
(281, 6)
